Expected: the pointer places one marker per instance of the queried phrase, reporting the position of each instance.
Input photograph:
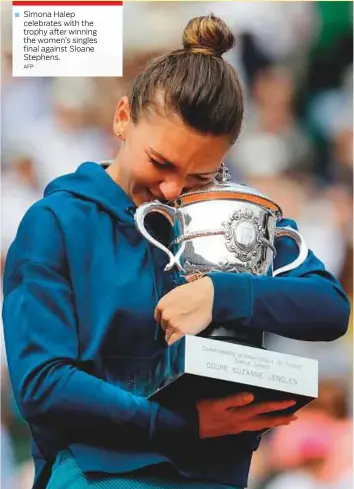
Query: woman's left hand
(187, 309)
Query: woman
(85, 294)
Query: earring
(223, 175)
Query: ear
(121, 118)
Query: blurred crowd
(295, 60)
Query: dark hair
(195, 82)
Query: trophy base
(197, 368)
(234, 335)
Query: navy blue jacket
(80, 288)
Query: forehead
(180, 143)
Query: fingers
(229, 426)
(233, 415)
(169, 331)
(263, 408)
(175, 336)
(157, 313)
(171, 334)
(238, 405)
(265, 422)
(163, 325)
(234, 402)
(161, 317)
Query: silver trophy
(230, 228)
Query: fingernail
(290, 403)
(290, 420)
(247, 397)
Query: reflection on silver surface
(222, 227)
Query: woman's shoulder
(42, 232)
(56, 207)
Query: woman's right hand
(233, 415)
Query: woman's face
(162, 157)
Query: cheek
(138, 170)
(145, 175)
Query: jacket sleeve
(306, 303)
(43, 350)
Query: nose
(171, 189)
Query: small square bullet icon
(17, 14)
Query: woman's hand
(232, 415)
(187, 309)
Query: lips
(150, 196)
(155, 197)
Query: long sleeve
(43, 351)
(306, 303)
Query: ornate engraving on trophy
(242, 234)
(245, 234)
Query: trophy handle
(170, 214)
(303, 250)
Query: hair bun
(208, 34)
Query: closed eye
(202, 179)
(158, 164)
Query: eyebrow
(168, 162)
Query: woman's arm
(307, 303)
(43, 350)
